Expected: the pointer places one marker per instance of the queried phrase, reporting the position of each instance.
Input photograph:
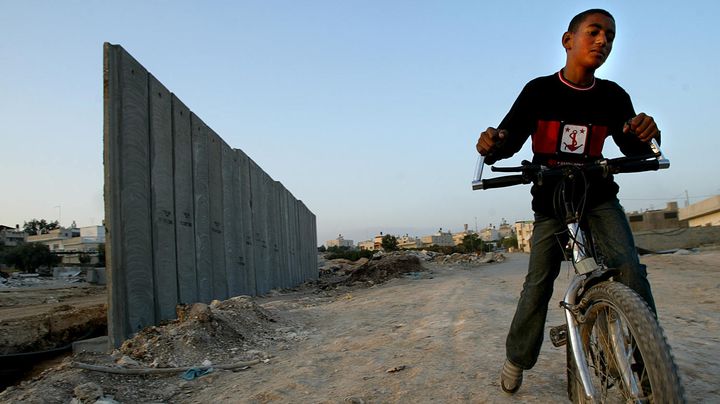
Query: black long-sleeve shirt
(569, 125)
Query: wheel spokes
(613, 357)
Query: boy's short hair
(578, 19)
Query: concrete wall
(189, 219)
(703, 213)
(689, 237)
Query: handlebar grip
(500, 182)
(638, 166)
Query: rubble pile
(387, 266)
(379, 269)
(236, 329)
(472, 258)
(34, 280)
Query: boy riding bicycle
(568, 115)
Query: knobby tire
(647, 352)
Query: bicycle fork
(583, 264)
(574, 334)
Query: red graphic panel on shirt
(544, 140)
(599, 133)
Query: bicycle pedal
(558, 335)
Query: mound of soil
(236, 329)
(222, 333)
(387, 267)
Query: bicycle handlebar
(534, 172)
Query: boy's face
(591, 44)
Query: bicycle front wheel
(626, 352)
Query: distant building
(12, 236)
(70, 243)
(523, 231)
(459, 237)
(703, 213)
(667, 218)
(55, 239)
(407, 242)
(89, 240)
(442, 239)
(372, 245)
(505, 230)
(489, 234)
(339, 242)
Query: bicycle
(616, 350)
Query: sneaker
(511, 378)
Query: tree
(84, 258)
(510, 242)
(101, 255)
(472, 242)
(35, 227)
(30, 256)
(389, 243)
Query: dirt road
(448, 333)
(443, 337)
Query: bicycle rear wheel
(627, 354)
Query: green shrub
(352, 255)
(31, 256)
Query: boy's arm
(643, 126)
(634, 135)
(511, 134)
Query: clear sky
(368, 111)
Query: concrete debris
(396, 369)
(34, 280)
(472, 258)
(386, 265)
(87, 393)
(69, 272)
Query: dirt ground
(430, 336)
(44, 316)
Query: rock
(396, 369)
(128, 362)
(200, 312)
(106, 400)
(88, 392)
(683, 252)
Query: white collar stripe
(573, 86)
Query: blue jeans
(612, 236)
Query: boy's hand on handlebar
(489, 141)
(643, 126)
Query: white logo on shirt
(574, 138)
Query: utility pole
(687, 199)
